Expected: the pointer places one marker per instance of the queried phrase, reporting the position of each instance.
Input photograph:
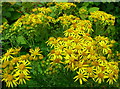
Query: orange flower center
(35, 53)
(101, 75)
(70, 37)
(21, 76)
(22, 67)
(57, 60)
(52, 51)
(89, 69)
(80, 65)
(76, 40)
(110, 76)
(9, 77)
(80, 76)
(14, 60)
(65, 39)
(57, 52)
(7, 54)
(69, 30)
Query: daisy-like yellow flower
(35, 52)
(90, 71)
(15, 59)
(9, 53)
(10, 80)
(21, 78)
(111, 78)
(100, 75)
(82, 75)
(5, 64)
(81, 65)
(22, 67)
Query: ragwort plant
(78, 45)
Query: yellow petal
(80, 81)
(99, 81)
(75, 77)
(76, 80)
(84, 79)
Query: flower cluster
(35, 54)
(83, 11)
(64, 5)
(4, 26)
(42, 10)
(66, 20)
(89, 57)
(102, 18)
(30, 21)
(16, 68)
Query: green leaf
(15, 15)
(7, 14)
(4, 20)
(10, 9)
(21, 40)
(86, 4)
(110, 7)
(118, 20)
(93, 9)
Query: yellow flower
(35, 52)
(81, 76)
(100, 75)
(21, 77)
(10, 80)
(15, 60)
(5, 64)
(81, 65)
(22, 67)
(111, 78)
(41, 57)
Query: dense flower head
(102, 17)
(4, 26)
(76, 24)
(64, 5)
(66, 20)
(16, 68)
(44, 10)
(30, 21)
(83, 11)
(78, 51)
